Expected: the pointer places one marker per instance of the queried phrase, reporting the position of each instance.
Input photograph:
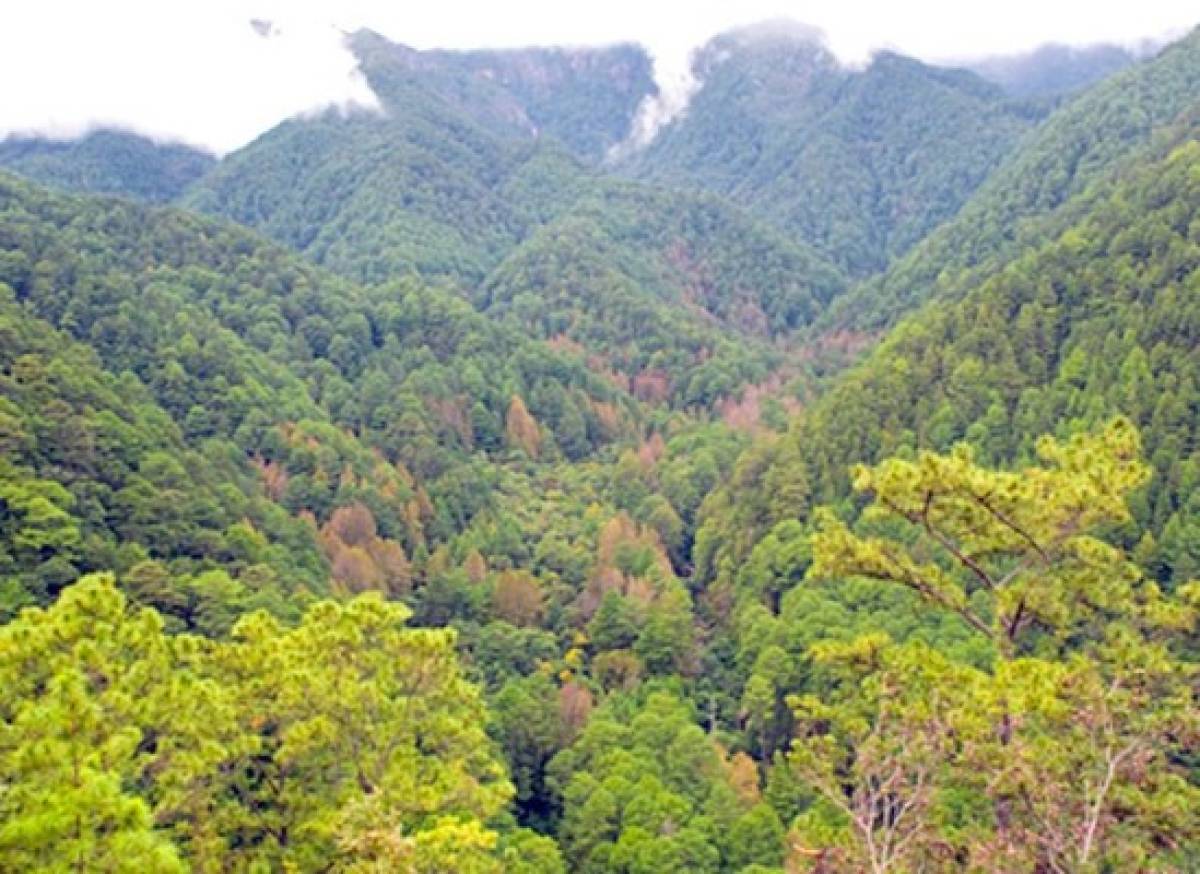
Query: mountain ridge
(817, 490)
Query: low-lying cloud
(217, 73)
(677, 85)
(214, 74)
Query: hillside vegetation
(815, 489)
(859, 164)
(108, 162)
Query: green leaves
(98, 704)
(1018, 541)
(346, 741)
(645, 790)
(1065, 753)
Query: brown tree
(517, 598)
(522, 429)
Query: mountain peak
(775, 31)
(775, 48)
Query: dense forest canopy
(860, 164)
(465, 486)
(108, 162)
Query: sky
(196, 71)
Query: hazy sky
(195, 70)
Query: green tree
(529, 729)
(370, 743)
(109, 738)
(349, 743)
(1072, 736)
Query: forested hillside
(1112, 124)
(815, 489)
(329, 395)
(468, 180)
(680, 295)
(1096, 322)
(108, 162)
(469, 153)
(229, 430)
(860, 164)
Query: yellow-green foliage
(349, 742)
(1065, 753)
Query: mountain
(374, 198)
(585, 98)
(1096, 319)
(471, 150)
(859, 164)
(1113, 123)
(108, 162)
(681, 291)
(1054, 70)
(478, 174)
(532, 223)
(440, 489)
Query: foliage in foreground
(349, 742)
(1062, 754)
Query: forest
(456, 487)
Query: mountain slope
(652, 285)
(326, 395)
(1054, 70)
(663, 285)
(1112, 123)
(536, 224)
(859, 164)
(1101, 319)
(372, 198)
(107, 162)
(457, 168)
(96, 476)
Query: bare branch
(949, 545)
(1002, 517)
(922, 587)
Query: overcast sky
(196, 71)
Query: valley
(458, 485)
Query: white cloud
(196, 70)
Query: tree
(1073, 735)
(521, 428)
(1013, 554)
(517, 598)
(369, 743)
(527, 725)
(643, 789)
(36, 528)
(109, 738)
(666, 643)
(614, 624)
(877, 754)
(347, 743)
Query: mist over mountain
(1054, 70)
(108, 162)
(583, 97)
(560, 462)
(859, 163)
